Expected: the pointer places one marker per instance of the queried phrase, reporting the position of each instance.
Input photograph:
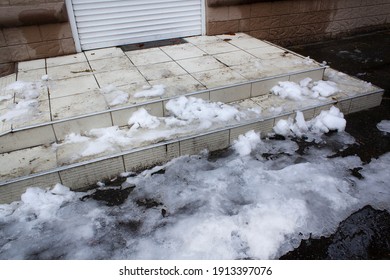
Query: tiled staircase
(75, 96)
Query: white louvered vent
(118, 22)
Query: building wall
(288, 22)
(32, 29)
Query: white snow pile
(114, 96)
(154, 91)
(188, 116)
(384, 126)
(306, 88)
(230, 208)
(26, 102)
(246, 143)
(326, 121)
(204, 112)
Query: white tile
(179, 85)
(219, 77)
(211, 142)
(248, 43)
(104, 53)
(69, 71)
(27, 138)
(150, 157)
(270, 52)
(161, 70)
(258, 69)
(13, 191)
(42, 115)
(264, 87)
(231, 94)
(182, 51)
(119, 77)
(34, 75)
(81, 125)
(200, 64)
(32, 64)
(110, 64)
(148, 56)
(315, 75)
(66, 87)
(217, 47)
(26, 162)
(234, 36)
(235, 58)
(292, 63)
(79, 178)
(77, 105)
(121, 117)
(66, 59)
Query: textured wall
(299, 21)
(32, 29)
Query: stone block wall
(32, 29)
(288, 22)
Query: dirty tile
(26, 162)
(248, 43)
(32, 64)
(66, 87)
(68, 71)
(270, 52)
(161, 70)
(80, 125)
(65, 60)
(234, 36)
(26, 138)
(148, 56)
(182, 51)
(179, 85)
(217, 47)
(235, 58)
(219, 77)
(263, 87)
(200, 64)
(109, 64)
(77, 104)
(119, 77)
(257, 69)
(292, 63)
(41, 115)
(315, 75)
(34, 75)
(104, 53)
(202, 40)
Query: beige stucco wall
(288, 22)
(32, 29)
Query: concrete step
(33, 152)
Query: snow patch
(306, 88)
(326, 121)
(154, 91)
(246, 143)
(114, 96)
(384, 126)
(142, 119)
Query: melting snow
(384, 126)
(231, 208)
(157, 90)
(305, 89)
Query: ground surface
(366, 57)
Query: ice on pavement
(156, 90)
(248, 205)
